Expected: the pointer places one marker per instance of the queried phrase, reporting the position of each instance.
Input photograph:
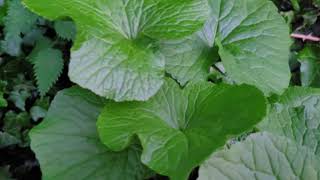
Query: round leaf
(111, 55)
(253, 41)
(178, 128)
(67, 145)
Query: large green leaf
(179, 128)
(253, 41)
(265, 157)
(67, 145)
(296, 115)
(188, 59)
(113, 55)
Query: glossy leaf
(113, 55)
(179, 128)
(253, 41)
(67, 146)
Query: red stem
(305, 37)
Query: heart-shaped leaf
(253, 41)
(178, 128)
(113, 55)
(67, 145)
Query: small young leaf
(262, 156)
(65, 29)
(67, 145)
(316, 3)
(41, 44)
(48, 65)
(178, 128)
(33, 36)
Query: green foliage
(296, 115)
(18, 21)
(20, 92)
(48, 65)
(243, 46)
(39, 110)
(15, 125)
(21, 28)
(68, 140)
(316, 3)
(262, 156)
(309, 58)
(147, 102)
(178, 128)
(114, 53)
(188, 59)
(7, 139)
(3, 101)
(65, 29)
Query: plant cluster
(143, 89)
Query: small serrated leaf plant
(143, 104)
(25, 29)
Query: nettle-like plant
(125, 51)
